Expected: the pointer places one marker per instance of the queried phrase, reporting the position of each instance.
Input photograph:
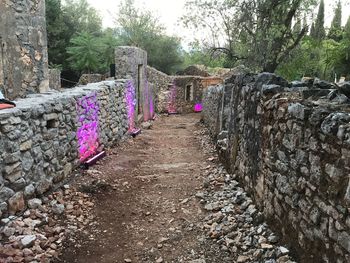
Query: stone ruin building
(287, 142)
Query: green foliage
(301, 62)
(257, 32)
(325, 59)
(335, 31)
(319, 33)
(84, 53)
(347, 29)
(64, 21)
(141, 28)
(199, 55)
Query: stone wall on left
(40, 143)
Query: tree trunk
(270, 67)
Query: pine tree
(347, 29)
(335, 30)
(312, 30)
(319, 31)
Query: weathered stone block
(16, 203)
(333, 172)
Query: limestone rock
(28, 241)
(16, 203)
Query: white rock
(58, 209)
(34, 203)
(9, 231)
(284, 250)
(28, 240)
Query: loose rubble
(233, 221)
(38, 235)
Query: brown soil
(147, 209)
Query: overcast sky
(169, 12)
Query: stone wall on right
(289, 145)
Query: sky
(169, 12)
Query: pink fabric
(5, 106)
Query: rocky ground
(162, 197)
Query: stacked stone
(113, 114)
(39, 140)
(160, 83)
(211, 108)
(55, 79)
(289, 145)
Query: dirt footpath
(163, 197)
(147, 211)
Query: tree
(298, 26)
(56, 32)
(84, 53)
(335, 31)
(347, 29)
(109, 41)
(200, 55)
(64, 21)
(141, 28)
(319, 32)
(257, 32)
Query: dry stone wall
(55, 79)
(131, 63)
(40, 142)
(23, 49)
(293, 156)
(161, 82)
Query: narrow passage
(152, 207)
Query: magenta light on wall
(198, 107)
(131, 104)
(88, 131)
(172, 100)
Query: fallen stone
(58, 209)
(34, 203)
(8, 231)
(28, 241)
(16, 203)
(146, 125)
(242, 259)
(283, 250)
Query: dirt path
(151, 213)
(163, 197)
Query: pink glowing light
(88, 131)
(198, 107)
(131, 104)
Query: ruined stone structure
(131, 63)
(292, 154)
(186, 91)
(43, 138)
(23, 54)
(55, 79)
(161, 83)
